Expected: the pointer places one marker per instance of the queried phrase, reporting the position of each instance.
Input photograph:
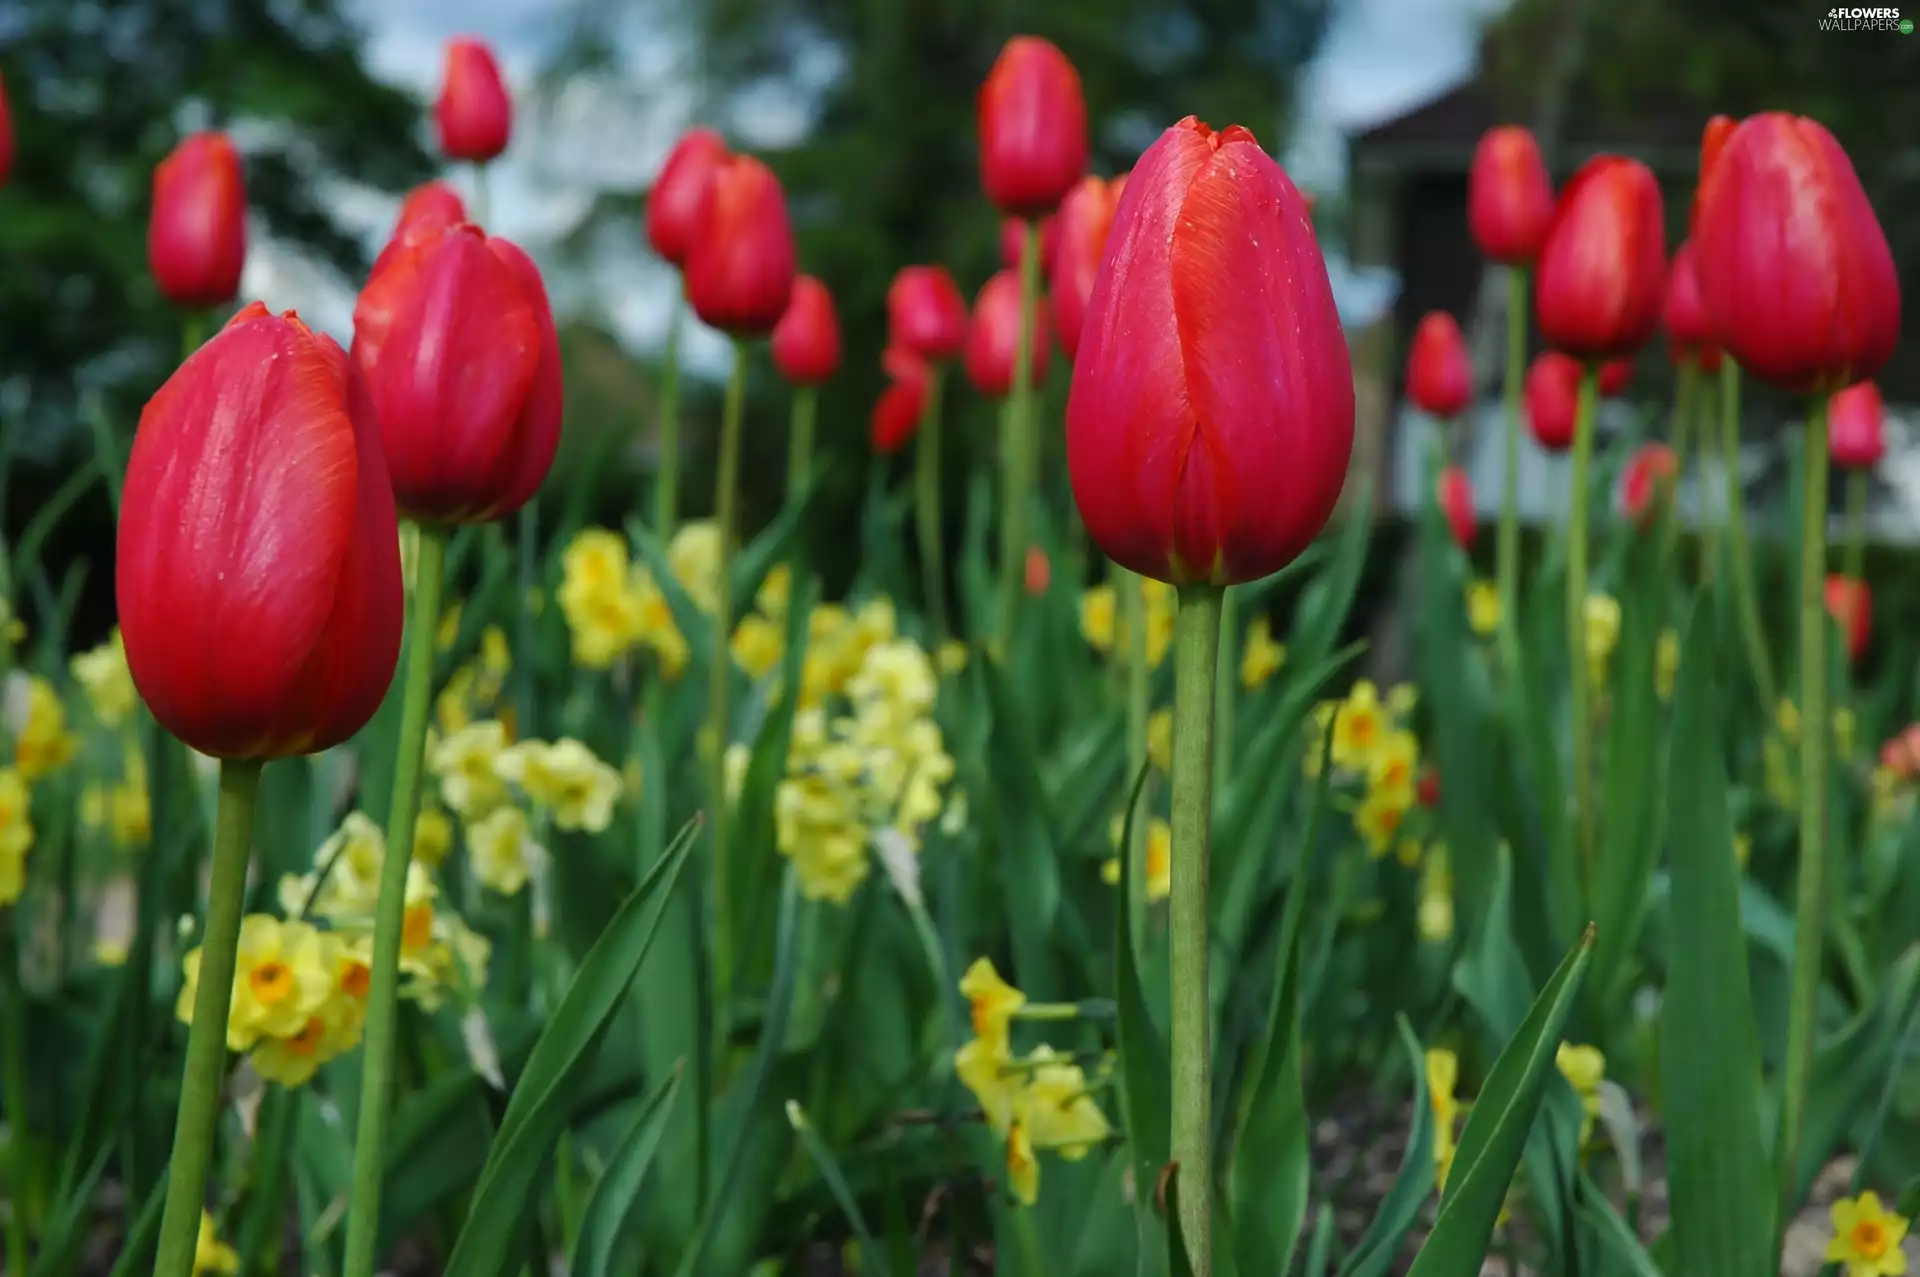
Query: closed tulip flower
(1855, 424)
(1439, 374)
(896, 416)
(1033, 128)
(926, 314)
(1647, 483)
(427, 210)
(473, 113)
(1850, 604)
(1013, 240)
(1206, 442)
(740, 269)
(806, 341)
(1602, 273)
(1085, 217)
(673, 207)
(1553, 399)
(456, 340)
(197, 235)
(1509, 199)
(1689, 332)
(1615, 376)
(1796, 272)
(994, 333)
(1455, 495)
(258, 565)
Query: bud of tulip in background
(473, 112)
(1602, 273)
(1689, 332)
(1085, 217)
(197, 234)
(926, 314)
(1615, 376)
(1855, 427)
(1013, 242)
(427, 210)
(994, 332)
(897, 413)
(1439, 373)
(1794, 267)
(258, 565)
(6, 136)
(1850, 604)
(806, 341)
(1646, 485)
(1033, 128)
(1553, 399)
(1509, 199)
(673, 206)
(456, 341)
(1205, 441)
(1455, 495)
(740, 269)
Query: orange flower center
(981, 1017)
(1362, 730)
(271, 982)
(417, 931)
(1868, 1239)
(1395, 774)
(1019, 1150)
(355, 978)
(307, 1040)
(1389, 820)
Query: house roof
(1439, 134)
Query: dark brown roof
(1440, 133)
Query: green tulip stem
(1196, 658)
(1745, 598)
(1021, 452)
(726, 497)
(666, 483)
(1507, 548)
(197, 1125)
(482, 207)
(1686, 381)
(928, 522)
(806, 410)
(1700, 415)
(389, 918)
(1859, 488)
(1578, 691)
(1815, 723)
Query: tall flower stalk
(1021, 443)
(1507, 547)
(1578, 691)
(929, 522)
(726, 495)
(1746, 600)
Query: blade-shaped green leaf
(1146, 1084)
(775, 544)
(872, 1257)
(1380, 1244)
(1027, 856)
(605, 1218)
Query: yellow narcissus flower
(453, 707)
(1263, 657)
(1483, 608)
(1585, 1068)
(1056, 1111)
(1867, 1237)
(757, 646)
(984, 1071)
(1099, 620)
(1602, 634)
(1394, 767)
(466, 764)
(1023, 1168)
(1159, 866)
(1160, 740)
(351, 859)
(1666, 663)
(595, 560)
(991, 1002)
(432, 836)
(1443, 1078)
(42, 743)
(1358, 727)
(1379, 818)
(16, 834)
(776, 590)
(1162, 606)
(103, 675)
(282, 975)
(604, 625)
(566, 778)
(693, 556)
(952, 657)
(210, 1254)
(1403, 699)
(329, 1032)
(502, 850)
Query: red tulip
(926, 314)
(901, 405)
(1553, 399)
(1615, 376)
(1206, 440)
(473, 112)
(1689, 331)
(1013, 240)
(1039, 571)
(806, 341)
(1713, 140)
(1855, 417)
(1793, 264)
(456, 341)
(1647, 484)
(1602, 273)
(258, 565)
(1850, 604)
(673, 208)
(197, 236)
(1439, 374)
(740, 269)
(1509, 199)
(1455, 495)
(427, 210)
(994, 334)
(6, 136)
(1085, 217)
(1033, 128)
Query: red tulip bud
(1553, 399)
(456, 341)
(1648, 481)
(994, 334)
(6, 136)
(1205, 440)
(1439, 374)
(474, 113)
(1615, 376)
(1013, 240)
(1033, 128)
(1085, 217)
(673, 208)
(1455, 494)
(197, 237)
(1602, 273)
(926, 314)
(1850, 604)
(1855, 419)
(1794, 267)
(1689, 331)
(1039, 571)
(896, 416)
(741, 267)
(427, 210)
(806, 341)
(1509, 199)
(1427, 788)
(258, 565)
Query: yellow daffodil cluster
(565, 780)
(760, 639)
(613, 606)
(120, 810)
(480, 773)
(1159, 868)
(103, 675)
(1371, 744)
(1039, 1102)
(1262, 657)
(42, 742)
(16, 834)
(1103, 620)
(473, 689)
(210, 1254)
(1779, 752)
(1867, 1237)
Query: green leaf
(66, 1229)
(1616, 1239)
(775, 544)
(1324, 606)
(1709, 1049)
(1028, 858)
(1496, 1134)
(605, 1219)
(1146, 1083)
(1320, 1249)
(1380, 1245)
(872, 1257)
(144, 1233)
(542, 1101)
(1178, 1265)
